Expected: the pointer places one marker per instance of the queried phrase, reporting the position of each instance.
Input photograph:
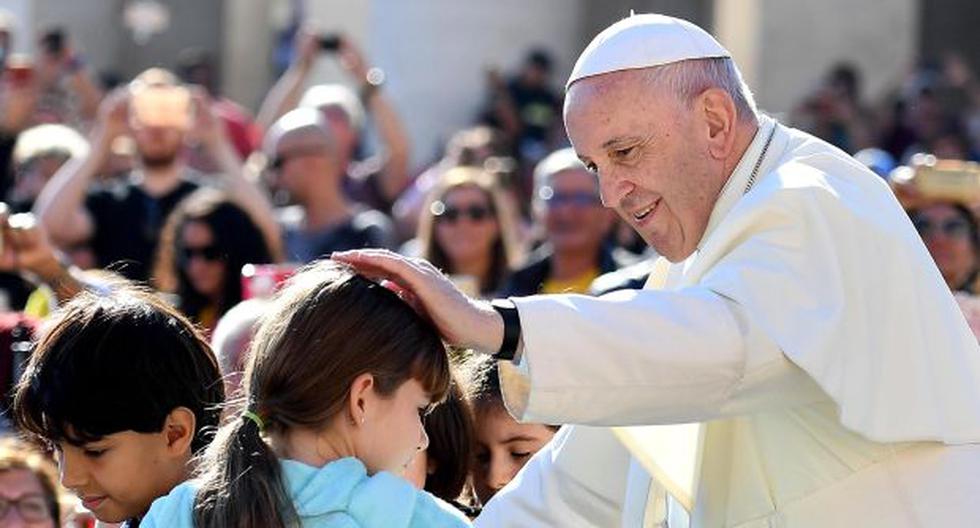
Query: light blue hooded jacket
(338, 495)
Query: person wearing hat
(944, 216)
(379, 179)
(796, 358)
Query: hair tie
(250, 416)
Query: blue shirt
(338, 495)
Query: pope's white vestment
(812, 336)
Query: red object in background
(20, 70)
(242, 131)
(263, 280)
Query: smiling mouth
(642, 214)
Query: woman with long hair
(470, 229)
(339, 375)
(205, 242)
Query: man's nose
(613, 188)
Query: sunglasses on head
(445, 213)
(951, 227)
(210, 253)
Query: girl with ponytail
(339, 375)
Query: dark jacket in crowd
(529, 279)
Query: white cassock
(835, 379)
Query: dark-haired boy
(125, 391)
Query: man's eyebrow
(619, 140)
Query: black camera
(330, 42)
(53, 41)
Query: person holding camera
(123, 219)
(67, 92)
(25, 249)
(378, 180)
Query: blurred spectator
(27, 250)
(67, 92)
(230, 341)
(203, 247)
(834, 111)
(443, 469)
(576, 225)
(376, 181)
(526, 107)
(307, 165)
(196, 67)
(470, 230)
(29, 490)
(38, 154)
(949, 231)
(123, 219)
(942, 218)
(478, 147)
(503, 445)
(18, 95)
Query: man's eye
(520, 455)
(94, 453)
(624, 152)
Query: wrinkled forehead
(605, 88)
(606, 107)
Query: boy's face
(120, 475)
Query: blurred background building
(784, 47)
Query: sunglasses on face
(574, 199)
(32, 507)
(210, 253)
(282, 157)
(447, 213)
(951, 227)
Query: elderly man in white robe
(795, 360)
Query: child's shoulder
(432, 511)
(387, 500)
(174, 510)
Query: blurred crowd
(163, 180)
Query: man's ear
(179, 429)
(361, 394)
(720, 116)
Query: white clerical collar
(741, 179)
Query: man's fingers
(415, 275)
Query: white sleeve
(645, 357)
